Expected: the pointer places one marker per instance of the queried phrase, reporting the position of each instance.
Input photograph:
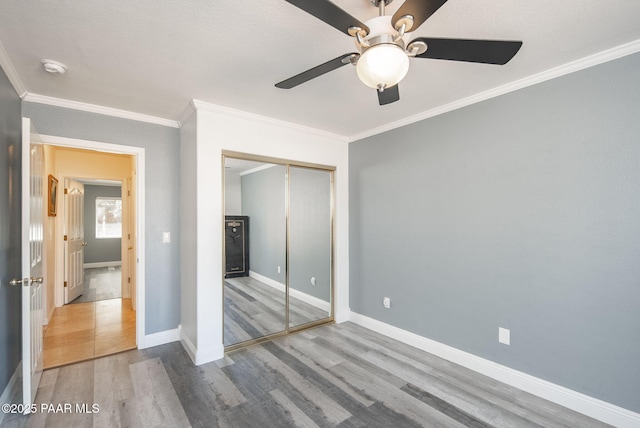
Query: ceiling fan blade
(389, 95)
(420, 10)
(328, 12)
(316, 71)
(484, 51)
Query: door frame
(138, 154)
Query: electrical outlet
(313, 280)
(504, 336)
(386, 302)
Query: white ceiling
(153, 57)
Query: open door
(32, 251)
(74, 239)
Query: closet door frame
(288, 164)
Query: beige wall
(49, 237)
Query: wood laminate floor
(88, 330)
(253, 309)
(332, 376)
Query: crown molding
(187, 113)
(11, 72)
(568, 68)
(93, 108)
(214, 108)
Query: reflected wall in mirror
(310, 275)
(254, 299)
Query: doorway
(102, 241)
(102, 319)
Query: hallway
(84, 331)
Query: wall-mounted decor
(53, 195)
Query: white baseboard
(201, 356)
(101, 264)
(597, 409)
(12, 389)
(160, 338)
(307, 298)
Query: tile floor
(101, 284)
(87, 330)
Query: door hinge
(128, 236)
(65, 237)
(129, 280)
(66, 191)
(65, 284)
(128, 192)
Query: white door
(74, 239)
(32, 248)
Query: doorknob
(84, 243)
(26, 282)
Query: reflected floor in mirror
(253, 309)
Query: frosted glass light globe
(382, 65)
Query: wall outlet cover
(504, 336)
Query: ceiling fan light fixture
(382, 66)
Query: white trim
(189, 111)
(268, 281)
(93, 108)
(139, 154)
(213, 108)
(257, 169)
(597, 409)
(581, 64)
(160, 338)
(199, 356)
(101, 264)
(11, 393)
(188, 346)
(11, 72)
(296, 294)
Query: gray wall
(99, 250)
(162, 181)
(263, 201)
(232, 193)
(310, 231)
(10, 221)
(522, 212)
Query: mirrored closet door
(309, 245)
(278, 247)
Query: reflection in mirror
(255, 250)
(310, 274)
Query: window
(108, 218)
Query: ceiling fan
(384, 50)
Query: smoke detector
(54, 67)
